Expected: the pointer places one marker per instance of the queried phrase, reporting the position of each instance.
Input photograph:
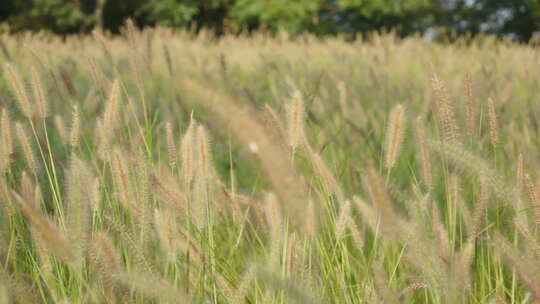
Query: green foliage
(171, 13)
(280, 14)
(518, 18)
(58, 15)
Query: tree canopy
(519, 19)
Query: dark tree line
(519, 19)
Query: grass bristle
(171, 145)
(493, 125)
(6, 141)
(60, 127)
(39, 95)
(394, 135)
(18, 87)
(24, 141)
(424, 152)
(187, 153)
(470, 106)
(296, 119)
(75, 131)
(205, 157)
(445, 109)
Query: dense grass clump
(167, 168)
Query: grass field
(166, 167)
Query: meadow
(164, 166)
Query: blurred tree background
(518, 19)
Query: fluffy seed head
(324, 173)
(171, 146)
(94, 195)
(204, 152)
(272, 212)
(533, 198)
(39, 94)
(27, 148)
(18, 88)
(97, 77)
(469, 106)
(75, 128)
(47, 230)
(274, 125)
(519, 172)
(79, 178)
(374, 186)
(493, 131)
(6, 142)
(107, 255)
(27, 189)
(110, 116)
(167, 232)
(122, 183)
(187, 151)
(61, 128)
(394, 136)
(480, 208)
(343, 219)
(296, 119)
(444, 109)
(425, 155)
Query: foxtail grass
(266, 177)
